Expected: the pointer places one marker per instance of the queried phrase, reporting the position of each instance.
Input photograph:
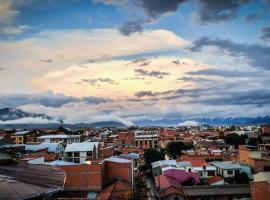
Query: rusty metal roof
(21, 181)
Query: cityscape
(134, 99)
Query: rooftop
(75, 147)
(117, 159)
(226, 165)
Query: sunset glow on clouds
(100, 61)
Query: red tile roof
(214, 179)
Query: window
(76, 154)
(89, 153)
(229, 172)
(145, 142)
(211, 173)
(69, 154)
(155, 142)
(77, 160)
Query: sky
(135, 60)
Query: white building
(80, 152)
(146, 139)
(64, 139)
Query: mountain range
(9, 115)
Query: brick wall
(260, 190)
(114, 169)
(84, 177)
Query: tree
(234, 139)
(254, 141)
(152, 155)
(241, 178)
(174, 149)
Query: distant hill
(8, 114)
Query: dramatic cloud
(254, 54)
(156, 74)
(48, 99)
(265, 34)
(74, 47)
(212, 11)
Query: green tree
(151, 155)
(235, 140)
(254, 141)
(174, 149)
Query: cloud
(13, 30)
(212, 11)
(225, 73)
(144, 93)
(143, 11)
(48, 99)
(97, 81)
(48, 60)
(156, 74)
(265, 34)
(189, 123)
(29, 120)
(254, 54)
(75, 47)
(130, 27)
(7, 13)
(252, 17)
(160, 7)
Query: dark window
(77, 160)
(229, 172)
(211, 173)
(76, 154)
(89, 153)
(145, 142)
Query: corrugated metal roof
(117, 159)
(79, 147)
(21, 132)
(34, 181)
(36, 147)
(190, 191)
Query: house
(161, 164)
(80, 152)
(215, 180)
(19, 137)
(260, 187)
(259, 160)
(169, 188)
(117, 168)
(63, 138)
(49, 151)
(56, 148)
(228, 169)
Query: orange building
(250, 155)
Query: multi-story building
(80, 152)
(63, 138)
(146, 139)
